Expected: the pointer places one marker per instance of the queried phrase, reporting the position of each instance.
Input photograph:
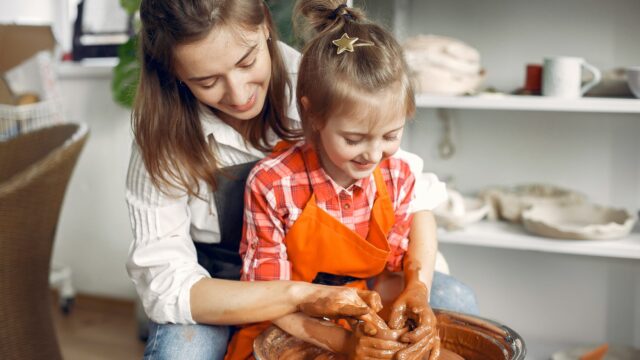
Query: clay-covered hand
(365, 346)
(340, 302)
(412, 306)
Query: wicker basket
(16, 120)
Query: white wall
(94, 233)
(592, 153)
(27, 11)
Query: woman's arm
(162, 261)
(216, 301)
(174, 288)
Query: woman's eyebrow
(201, 78)
(247, 54)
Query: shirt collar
(324, 187)
(213, 126)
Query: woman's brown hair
(334, 83)
(165, 116)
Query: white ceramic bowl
(633, 79)
(460, 211)
(578, 221)
(509, 203)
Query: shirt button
(347, 206)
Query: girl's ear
(305, 103)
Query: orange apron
(317, 242)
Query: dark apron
(222, 260)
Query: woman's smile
(246, 106)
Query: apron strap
(223, 260)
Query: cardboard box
(20, 43)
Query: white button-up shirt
(162, 259)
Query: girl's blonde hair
(165, 116)
(335, 83)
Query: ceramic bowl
(578, 221)
(472, 337)
(509, 203)
(633, 79)
(460, 211)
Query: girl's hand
(364, 346)
(339, 302)
(413, 306)
(418, 350)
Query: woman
(213, 97)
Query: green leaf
(126, 74)
(130, 6)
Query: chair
(34, 171)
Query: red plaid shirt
(278, 190)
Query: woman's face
(228, 70)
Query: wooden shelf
(530, 103)
(499, 234)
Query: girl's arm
(334, 338)
(413, 302)
(423, 245)
(322, 333)
(412, 305)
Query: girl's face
(352, 145)
(228, 70)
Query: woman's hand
(413, 306)
(339, 302)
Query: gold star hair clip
(346, 43)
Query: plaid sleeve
(262, 247)
(403, 184)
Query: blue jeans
(192, 342)
(195, 342)
(448, 293)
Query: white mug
(562, 77)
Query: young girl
(334, 208)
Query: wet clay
(462, 338)
(473, 340)
(326, 307)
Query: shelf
(89, 68)
(499, 234)
(530, 103)
(543, 349)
